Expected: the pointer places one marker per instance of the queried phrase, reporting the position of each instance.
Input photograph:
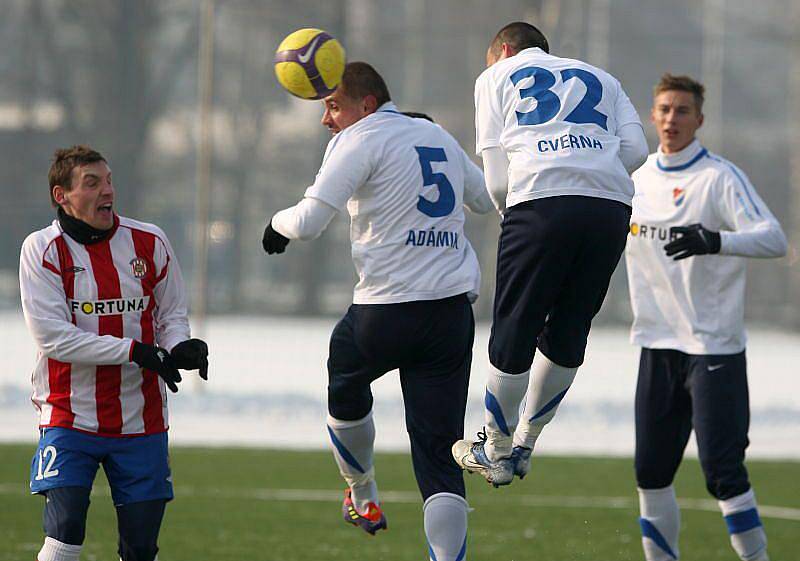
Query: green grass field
(237, 504)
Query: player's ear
(59, 194)
(370, 104)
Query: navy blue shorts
(137, 467)
(554, 262)
(676, 393)
(430, 342)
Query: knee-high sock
(504, 394)
(54, 550)
(660, 522)
(352, 443)
(548, 386)
(744, 525)
(445, 518)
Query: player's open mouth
(105, 208)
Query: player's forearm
(495, 170)
(767, 241)
(304, 221)
(632, 146)
(481, 204)
(64, 342)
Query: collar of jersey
(682, 160)
(388, 107)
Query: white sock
(548, 386)
(445, 519)
(660, 522)
(54, 550)
(352, 443)
(504, 394)
(747, 534)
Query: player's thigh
(64, 458)
(721, 418)
(603, 226)
(533, 259)
(663, 413)
(350, 372)
(138, 469)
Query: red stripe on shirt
(144, 244)
(59, 374)
(109, 377)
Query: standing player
(558, 139)
(99, 292)
(695, 218)
(403, 181)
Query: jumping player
(403, 181)
(104, 299)
(558, 138)
(696, 217)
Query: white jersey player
(696, 217)
(558, 138)
(404, 182)
(104, 299)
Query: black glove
(156, 359)
(694, 240)
(273, 242)
(417, 115)
(191, 354)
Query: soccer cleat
(372, 521)
(521, 461)
(471, 456)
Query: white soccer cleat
(472, 457)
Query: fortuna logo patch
(678, 195)
(113, 307)
(139, 267)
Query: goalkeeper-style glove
(191, 354)
(157, 359)
(273, 242)
(694, 240)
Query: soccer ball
(309, 63)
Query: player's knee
(653, 477)
(347, 401)
(564, 351)
(65, 515)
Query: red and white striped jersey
(84, 306)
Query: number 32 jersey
(556, 119)
(403, 181)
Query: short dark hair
(519, 35)
(65, 160)
(668, 82)
(361, 79)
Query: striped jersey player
(105, 302)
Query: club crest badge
(139, 267)
(678, 195)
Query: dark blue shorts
(430, 342)
(554, 262)
(676, 393)
(137, 467)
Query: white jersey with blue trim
(695, 305)
(556, 119)
(404, 182)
